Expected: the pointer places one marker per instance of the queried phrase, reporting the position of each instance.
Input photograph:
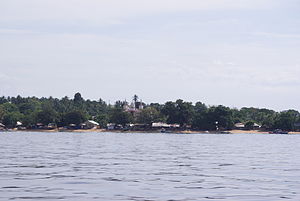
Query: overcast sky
(231, 52)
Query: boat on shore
(278, 131)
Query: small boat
(225, 132)
(220, 132)
(278, 131)
(163, 130)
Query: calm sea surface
(118, 166)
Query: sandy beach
(153, 131)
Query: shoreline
(152, 131)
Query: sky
(238, 53)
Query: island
(79, 115)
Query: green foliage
(29, 107)
(285, 120)
(74, 117)
(119, 116)
(30, 119)
(135, 100)
(170, 111)
(249, 125)
(200, 108)
(3, 99)
(222, 115)
(2, 112)
(120, 104)
(65, 111)
(78, 99)
(199, 119)
(9, 107)
(268, 122)
(157, 106)
(149, 115)
(255, 114)
(46, 116)
(179, 112)
(200, 122)
(102, 119)
(10, 119)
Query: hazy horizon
(237, 53)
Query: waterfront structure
(256, 126)
(90, 124)
(239, 126)
(164, 125)
(2, 126)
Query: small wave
(226, 164)
(38, 198)
(7, 187)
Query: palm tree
(135, 99)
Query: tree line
(198, 116)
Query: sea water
(136, 166)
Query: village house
(52, 126)
(19, 126)
(113, 126)
(138, 127)
(90, 124)
(40, 126)
(135, 107)
(159, 125)
(2, 126)
(256, 126)
(239, 126)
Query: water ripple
(149, 167)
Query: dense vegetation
(65, 111)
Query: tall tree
(199, 118)
(149, 115)
(47, 115)
(136, 102)
(1, 113)
(78, 98)
(178, 112)
(10, 119)
(285, 120)
(74, 117)
(220, 116)
(118, 116)
(102, 119)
